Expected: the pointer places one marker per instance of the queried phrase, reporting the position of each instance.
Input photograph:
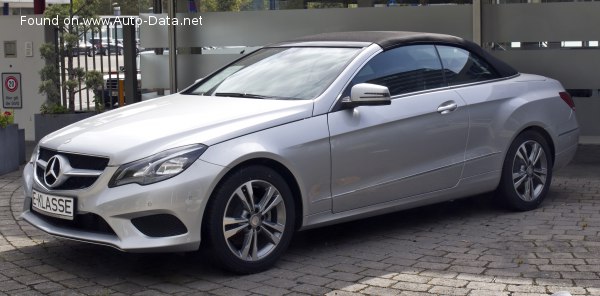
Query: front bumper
(183, 197)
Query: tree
(224, 5)
(69, 32)
(128, 7)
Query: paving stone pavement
(465, 247)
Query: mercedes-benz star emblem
(53, 175)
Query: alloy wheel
(529, 170)
(254, 220)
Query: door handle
(447, 107)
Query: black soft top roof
(391, 39)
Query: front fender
(301, 146)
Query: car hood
(133, 132)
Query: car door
(413, 146)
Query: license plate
(52, 205)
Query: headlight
(158, 167)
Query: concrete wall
(588, 116)
(560, 21)
(29, 68)
(574, 68)
(554, 22)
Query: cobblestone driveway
(466, 247)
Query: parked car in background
(104, 46)
(111, 89)
(305, 133)
(112, 84)
(111, 48)
(96, 42)
(83, 47)
(138, 46)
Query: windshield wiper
(242, 95)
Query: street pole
(172, 48)
(39, 6)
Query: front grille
(77, 183)
(77, 162)
(85, 222)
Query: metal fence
(99, 49)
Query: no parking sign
(11, 91)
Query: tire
(526, 173)
(261, 229)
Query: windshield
(300, 73)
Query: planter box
(22, 148)
(9, 149)
(48, 123)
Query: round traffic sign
(11, 83)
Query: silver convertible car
(300, 134)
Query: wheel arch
(279, 168)
(511, 198)
(540, 130)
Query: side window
(461, 66)
(403, 70)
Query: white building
(22, 7)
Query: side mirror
(367, 94)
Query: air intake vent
(160, 225)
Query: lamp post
(116, 9)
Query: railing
(101, 49)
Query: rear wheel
(250, 220)
(527, 172)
